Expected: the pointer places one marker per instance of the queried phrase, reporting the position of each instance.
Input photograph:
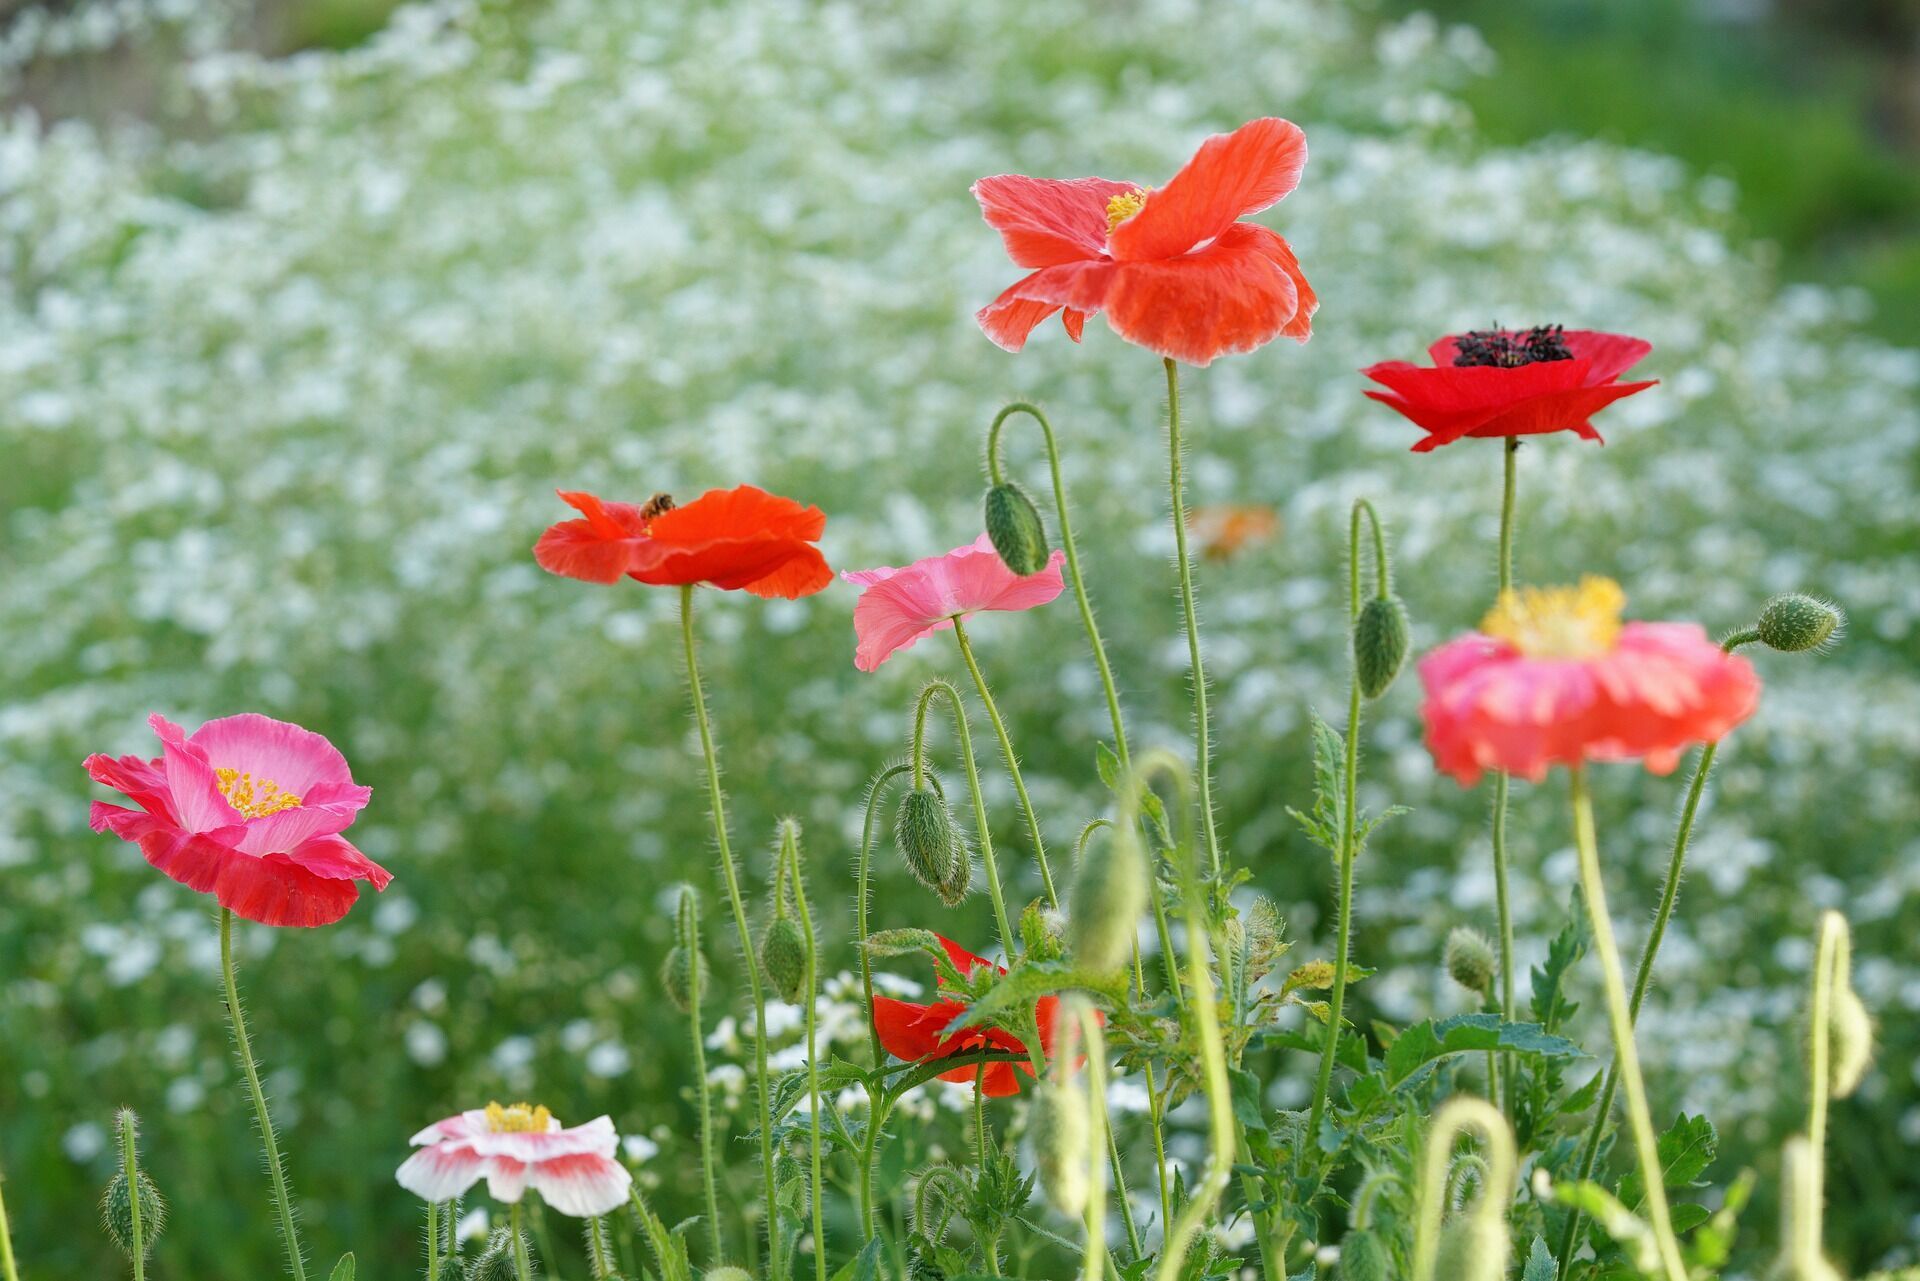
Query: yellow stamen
(518, 1118)
(255, 799)
(1559, 622)
(1124, 206)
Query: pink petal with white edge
(442, 1172)
(583, 1185)
(506, 1179)
(293, 757)
(901, 606)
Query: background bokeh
(305, 310)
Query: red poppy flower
(915, 1032)
(1505, 382)
(735, 539)
(1173, 268)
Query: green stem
(1831, 963)
(1501, 876)
(689, 930)
(1094, 1261)
(658, 1237)
(601, 1258)
(717, 804)
(276, 1169)
(860, 908)
(1203, 743)
(8, 1272)
(433, 1241)
(790, 856)
(965, 738)
(1626, 1056)
(1007, 754)
(130, 1168)
(522, 1266)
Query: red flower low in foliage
(740, 539)
(1506, 382)
(1173, 268)
(914, 1032)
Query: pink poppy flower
(514, 1148)
(1554, 678)
(900, 606)
(249, 810)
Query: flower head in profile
(1553, 677)
(1173, 268)
(1508, 382)
(249, 810)
(740, 539)
(515, 1148)
(916, 1032)
(900, 606)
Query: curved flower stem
(860, 906)
(276, 1168)
(1626, 1056)
(927, 695)
(433, 1241)
(1203, 743)
(1459, 1115)
(790, 856)
(1073, 560)
(717, 804)
(8, 1271)
(1501, 783)
(689, 930)
(1007, 753)
(522, 1266)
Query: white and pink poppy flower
(518, 1147)
(900, 606)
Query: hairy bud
(1014, 529)
(1379, 644)
(1062, 1138)
(783, 957)
(496, 1261)
(1363, 1257)
(1109, 894)
(1042, 929)
(1794, 622)
(728, 1273)
(1852, 1030)
(1469, 959)
(1473, 1248)
(677, 976)
(923, 828)
(116, 1212)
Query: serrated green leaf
(1425, 1043)
(864, 1266)
(1249, 1108)
(1108, 765)
(343, 1270)
(1540, 1265)
(1686, 1150)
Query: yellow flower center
(518, 1118)
(1559, 622)
(1124, 206)
(256, 798)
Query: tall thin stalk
(1501, 876)
(1202, 737)
(276, 1168)
(1007, 754)
(934, 689)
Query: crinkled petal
(1231, 176)
(506, 1179)
(141, 781)
(583, 1185)
(297, 759)
(1232, 296)
(1048, 221)
(442, 1172)
(191, 782)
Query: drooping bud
(1380, 641)
(1109, 894)
(783, 957)
(1470, 961)
(1852, 1031)
(1062, 1136)
(1794, 622)
(1014, 529)
(923, 828)
(1800, 1257)
(1473, 1248)
(677, 976)
(117, 1205)
(1363, 1257)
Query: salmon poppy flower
(914, 1032)
(734, 539)
(1173, 268)
(249, 810)
(1554, 678)
(1507, 382)
(518, 1147)
(900, 606)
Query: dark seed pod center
(1512, 348)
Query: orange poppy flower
(740, 539)
(1227, 529)
(1173, 268)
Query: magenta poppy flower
(249, 810)
(515, 1148)
(900, 606)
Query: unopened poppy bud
(1014, 529)
(1472, 1248)
(1469, 960)
(116, 1212)
(1363, 1257)
(1379, 644)
(1852, 1042)
(783, 957)
(1109, 894)
(1041, 929)
(496, 1261)
(923, 828)
(1794, 622)
(677, 976)
(1062, 1138)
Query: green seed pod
(1014, 529)
(1379, 644)
(1062, 1140)
(1852, 1032)
(677, 976)
(116, 1212)
(783, 957)
(1469, 960)
(728, 1273)
(1472, 1248)
(1363, 1257)
(1109, 894)
(1794, 622)
(923, 829)
(496, 1261)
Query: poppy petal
(1230, 176)
(1048, 221)
(1229, 297)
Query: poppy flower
(913, 1032)
(1506, 382)
(734, 539)
(900, 606)
(514, 1148)
(1554, 678)
(1173, 268)
(1227, 529)
(249, 810)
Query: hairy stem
(1203, 743)
(1007, 754)
(1501, 877)
(689, 929)
(276, 1169)
(130, 1168)
(935, 688)
(790, 855)
(522, 1265)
